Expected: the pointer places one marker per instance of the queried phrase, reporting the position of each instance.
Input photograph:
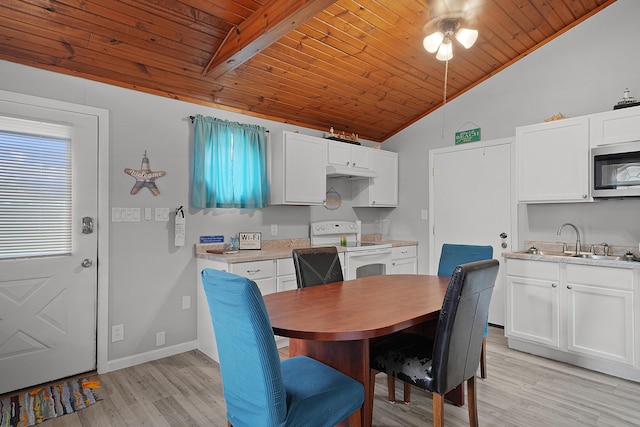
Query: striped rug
(43, 403)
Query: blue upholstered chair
(452, 357)
(259, 389)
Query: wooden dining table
(336, 323)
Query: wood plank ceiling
(355, 65)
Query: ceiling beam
(265, 26)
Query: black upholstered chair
(321, 265)
(453, 356)
(317, 266)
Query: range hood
(337, 171)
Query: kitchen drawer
(400, 252)
(605, 277)
(533, 269)
(285, 266)
(254, 269)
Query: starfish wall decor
(145, 177)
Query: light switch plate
(162, 214)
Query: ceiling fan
(450, 19)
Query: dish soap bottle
(343, 241)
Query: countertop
(275, 249)
(552, 252)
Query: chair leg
(355, 419)
(472, 398)
(438, 410)
(407, 393)
(391, 385)
(483, 359)
(372, 386)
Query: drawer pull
(253, 271)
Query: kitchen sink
(600, 257)
(547, 253)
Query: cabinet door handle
(569, 287)
(553, 285)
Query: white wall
(576, 74)
(148, 274)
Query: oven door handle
(354, 254)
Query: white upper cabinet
(383, 190)
(349, 155)
(552, 161)
(613, 127)
(298, 169)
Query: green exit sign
(470, 135)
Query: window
(35, 188)
(229, 165)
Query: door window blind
(35, 188)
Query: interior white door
(470, 201)
(48, 303)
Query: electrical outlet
(186, 302)
(160, 338)
(117, 333)
(274, 229)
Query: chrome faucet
(578, 245)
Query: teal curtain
(229, 165)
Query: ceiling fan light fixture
(445, 51)
(467, 37)
(432, 42)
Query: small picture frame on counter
(250, 240)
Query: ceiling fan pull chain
(444, 96)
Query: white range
(361, 258)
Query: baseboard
(126, 362)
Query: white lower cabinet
(579, 314)
(261, 272)
(600, 318)
(404, 260)
(286, 275)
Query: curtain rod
(193, 117)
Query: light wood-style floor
(521, 390)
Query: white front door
(470, 202)
(48, 303)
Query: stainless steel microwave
(616, 170)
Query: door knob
(86, 263)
